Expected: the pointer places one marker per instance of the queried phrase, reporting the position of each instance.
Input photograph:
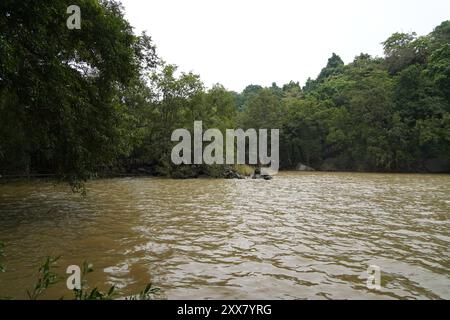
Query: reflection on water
(301, 235)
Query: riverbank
(183, 172)
(234, 172)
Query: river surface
(299, 236)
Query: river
(299, 236)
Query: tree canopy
(76, 103)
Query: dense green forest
(77, 103)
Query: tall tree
(58, 87)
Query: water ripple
(299, 236)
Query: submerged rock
(262, 176)
(258, 175)
(231, 174)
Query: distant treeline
(76, 103)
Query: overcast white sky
(241, 42)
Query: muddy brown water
(299, 236)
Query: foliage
(244, 170)
(147, 294)
(58, 87)
(94, 294)
(373, 114)
(78, 103)
(46, 278)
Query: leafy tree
(77, 103)
(439, 70)
(263, 110)
(334, 67)
(58, 86)
(404, 49)
(247, 93)
(440, 35)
